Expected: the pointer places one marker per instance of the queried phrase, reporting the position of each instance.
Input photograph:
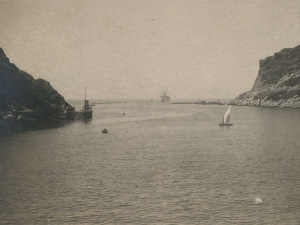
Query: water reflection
(10, 126)
(87, 122)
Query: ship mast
(85, 93)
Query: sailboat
(226, 118)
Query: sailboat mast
(85, 93)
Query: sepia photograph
(149, 112)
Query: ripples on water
(159, 164)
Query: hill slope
(19, 91)
(277, 83)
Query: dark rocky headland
(277, 83)
(27, 103)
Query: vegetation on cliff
(20, 92)
(27, 103)
(277, 83)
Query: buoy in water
(258, 200)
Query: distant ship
(164, 97)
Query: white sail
(227, 115)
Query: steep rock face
(19, 91)
(277, 83)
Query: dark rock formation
(277, 83)
(27, 103)
(19, 91)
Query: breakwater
(202, 103)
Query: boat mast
(85, 93)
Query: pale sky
(124, 49)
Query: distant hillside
(19, 91)
(277, 83)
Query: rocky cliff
(20, 92)
(277, 83)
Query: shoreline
(12, 125)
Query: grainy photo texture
(149, 112)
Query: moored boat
(104, 131)
(85, 113)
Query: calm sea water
(159, 164)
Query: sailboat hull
(225, 124)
